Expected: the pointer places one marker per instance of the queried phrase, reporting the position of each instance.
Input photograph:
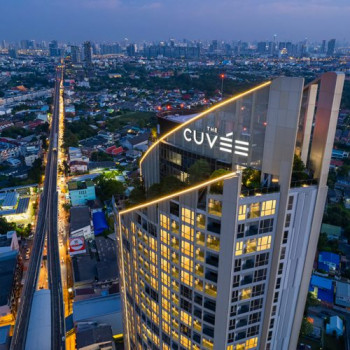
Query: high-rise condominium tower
(225, 263)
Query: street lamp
(222, 76)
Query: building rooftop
(95, 307)
(321, 282)
(84, 268)
(39, 329)
(89, 334)
(8, 262)
(79, 185)
(79, 217)
(23, 205)
(100, 223)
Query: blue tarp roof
(329, 257)
(100, 223)
(321, 282)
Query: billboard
(77, 245)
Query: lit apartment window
(239, 248)
(164, 221)
(200, 220)
(251, 246)
(186, 318)
(165, 292)
(186, 263)
(208, 344)
(198, 284)
(264, 243)
(213, 242)
(187, 232)
(186, 278)
(165, 251)
(211, 289)
(199, 254)
(200, 238)
(246, 293)
(251, 343)
(214, 207)
(174, 226)
(268, 208)
(186, 248)
(185, 342)
(199, 270)
(240, 346)
(187, 216)
(254, 211)
(242, 212)
(165, 237)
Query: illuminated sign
(226, 143)
(77, 245)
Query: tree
(306, 327)
(36, 171)
(299, 169)
(99, 156)
(199, 171)
(251, 178)
(218, 187)
(106, 188)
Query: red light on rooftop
(182, 105)
(159, 108)
(168, 107)
(222, 76)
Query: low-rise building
(332, 231)
(342, 294)
(80, 222)
(80, 192)
(335, 325)
(328, 262)
(92, 336)
(322, 288)
(103, 310)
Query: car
(27, 250)
(27, 257)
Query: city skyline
(112, 19)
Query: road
(46, 224)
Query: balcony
(212, 260)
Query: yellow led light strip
(201, 115)
(179, 193)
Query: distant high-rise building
(323, 46)
(3, 44)
(54, 51)
(131, 50)
(223, 263)
(87, 54)
(25, 44)
(331, 47)
(110, 49)
(75, 54)
(261, 47)
(13, 53)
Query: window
(253, 331)
(256, 304)
(246, 293)
(290, 203)
(268, 208)
(285, 237)
(260, 275)
(186, 263)
(186, 248)
(187, 216)
(251, 246)
(186, 278)
(258, 290)
(266, 226)
(174, 157)
(242, 212)
(187, 232)
(238, 265)
(255, 317)
(174, 226)
(254, 211)
(240, 231)
(283, 253)
(200, 220)
(235, 282)
(251, 343)
(288, 219)
(264, 243)
(214, 207)
(164, 221)
(186, 318)
(239, 248)
(213, 242)
(234, 296)
(200, 238)
(165, 237)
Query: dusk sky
(112, 20)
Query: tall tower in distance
(223, 260)
(75, 54)
(87, 54)
(331, 47)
